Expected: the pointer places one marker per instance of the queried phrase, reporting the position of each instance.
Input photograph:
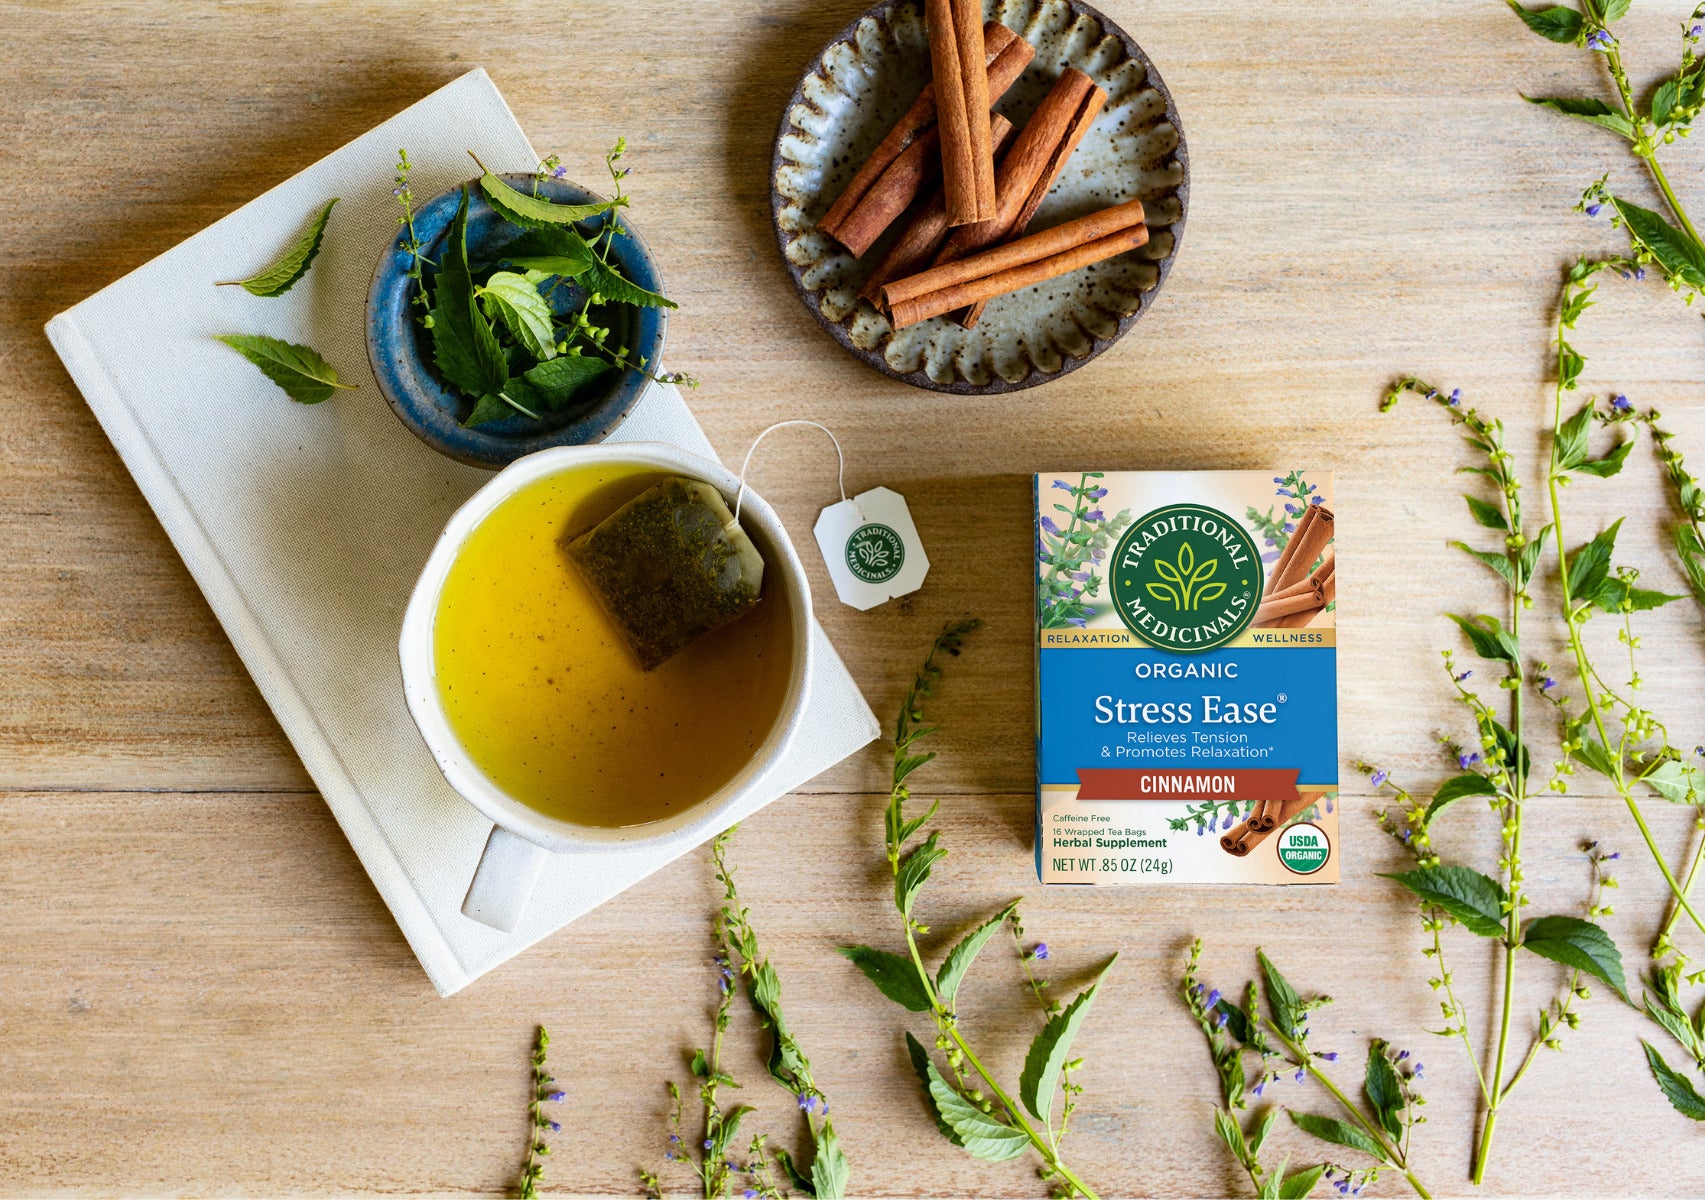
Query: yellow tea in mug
(550, 702)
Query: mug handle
(509, 867)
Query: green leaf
(801, 1181)
(553, 249)
(1489, 515)
(1692, 558)
(1475, 900)
(1677, 253)
(1592, 752)
(958, 961)
(533, 212)
(1051, 1048)
(1512, 750)
(1587, 109)
(1570, 449)
(465, 349)
(1569, 365)
(1237, 1022)
(1262, 1129)
(1497, 561)
(1469, 783)
(1589, 566)
(559, 379)
(1579, 944)
(1282, 998)
(1610, 464)
(1330, 1129)
(1486, 634)
(1676, 782)
(895, 977)
(282, 275)
(604, 280)
(699, 1066)
(1299, 1184)
(919, 1057)
(921, 1064)
(1557, 24)
(1618, 592)
(829, 1166)
(1530, 556)
(914, 872)
(1677, 1088)
(1675, 1023)
(1385, 1091)
(1226, 1126)
(1665, 101)
(983, 1135)
(305, 377)
(515, 300)
(1613, 10)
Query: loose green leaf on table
(1475, 900)
(305, 377)
(282, 275)
(1579, 944)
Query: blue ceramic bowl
(400, 350)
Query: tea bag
(668, 566)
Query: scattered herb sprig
(544, 1090)
(972, 1108)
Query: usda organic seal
(1303, 848)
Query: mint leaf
(1487, 636)
(1677, 254)
(959, 959)
(983, 1135)
(1570, 450)
(1050, 1050)
(829, 1167)
(1299, 1184)
(1589, 566)
(1588, 109)
(1498, 562)
(1475, 900)
(921, 1064)
(1579, 944)
(465, 349)
(604, 280)
(557, 380)
(1677, 1088)
(914, 871)
(895, 977)
(1469, 783)
(1489, 515)
(1610, 464)
(282, 275)
(1676, 782)
(1614, 10)
(533, 212)
(1282, 998)
(1384, 1089)
(553, 249)
(1330, 1129)
(305, 377)
(1557, 24)
(515, 300)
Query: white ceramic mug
(522, 837)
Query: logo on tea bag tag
(871, 547)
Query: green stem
(1687, 886)
(1662, 181)
(1394, 1155)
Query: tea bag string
(841, 473)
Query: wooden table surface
(200, 990)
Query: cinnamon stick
(916, 167)
(1007, 55)
(925, 232)
(1088, 109)
(1312, 536)
(1020, 263)
(957, 58)
(1275, 577)
(1283, 606)
(1241, 839)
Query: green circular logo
(1303, 848)
(1186, 578)
(875, 553)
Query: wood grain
(201, 991)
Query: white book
(306, 525)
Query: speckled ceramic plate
(850, 97)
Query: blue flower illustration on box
(1068, 577)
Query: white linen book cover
(306, 526)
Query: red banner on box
(1201, 783)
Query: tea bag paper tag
(872, 548)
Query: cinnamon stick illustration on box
(1303, 582)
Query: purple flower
(1546, 684)
(1290, 528)
(1696, 31)
(1329, 1056)
(1276, 479)
(1095, 493)
(1221, 1020)
(1201, 829)
(1379, 777)
(808, 1102)
(668, 1156)
(1402, 1054)
(1062, 485)
(1329, 804)
(1464, 675)
(1095, 514)
(555, 1096)
(1083, 576)
(1048, 524)
(1639, 272)
(1455, 397)
(1613, 856)
(749, 1194)
(555, 1128)
(1315, 500)
(1260, 1087)
(1293, 509)
(674, 1138)
(1230, 820)
(1620, 403)
(1077, 622)
(1593, 210)
(1467, 760)
(1302, 1074)
(1213, 999)
(1601, 41)
(1041, 951)
(559, 172)
(708, 1143)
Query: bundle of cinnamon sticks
(969, 187)
(1298, 590)
(1268, 816)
